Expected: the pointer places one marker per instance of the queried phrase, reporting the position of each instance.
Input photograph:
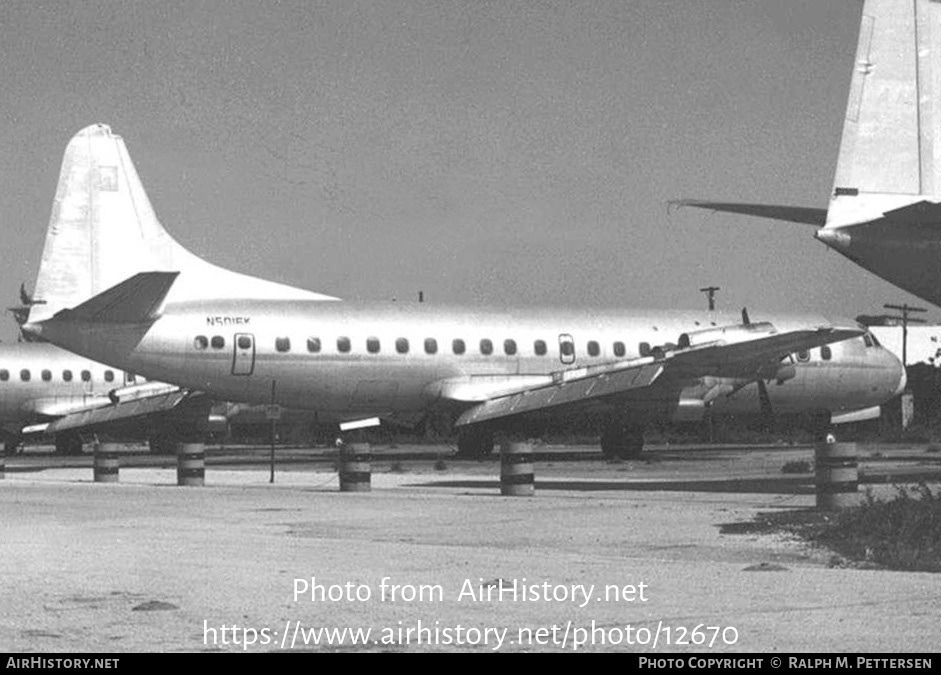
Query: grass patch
(903, 533)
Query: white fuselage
(39, 381)
(346, 361)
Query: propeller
(21, 313)
(764, 399)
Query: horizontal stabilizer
(795, 214)
(136, 300)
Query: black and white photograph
(471, 326)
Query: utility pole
(710, 292)
(906, 319)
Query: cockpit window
(875, 340)
(867, 339)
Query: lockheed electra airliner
(885, 206)
(45, 390)
(114, 286)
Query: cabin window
(282, 344)
(244, 342)
(109, 376)
(4, 375)
(431, 346)
(201, 342)
(825, 353)
(66, 375)
(46, 375)
(86, 376)
(401, 345)
(803, 356)
(567, 348)
(539, 347)
(313, 345)
(343, 345)
(372, 345)
(643, 349)
(619, 349)
(24, 375)
(509, 347)
(458, 346)
(217, 342)
(486, 347)
(593, 348)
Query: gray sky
(485, 152)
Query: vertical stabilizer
(890, 150)
(103, 230)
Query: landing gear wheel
(474, 444)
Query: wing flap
(115, 413)
(563, 393)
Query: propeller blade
(767, 412)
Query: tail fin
(890, 153)
(103, 230)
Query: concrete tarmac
(625, 557)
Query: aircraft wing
(744, 352)
(123, 404)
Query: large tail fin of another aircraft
(890, 153)
(103, 230)
(885, 207)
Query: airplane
(885, 208)
(114, 286)
(47, 391)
